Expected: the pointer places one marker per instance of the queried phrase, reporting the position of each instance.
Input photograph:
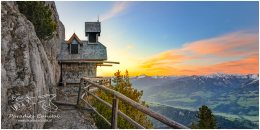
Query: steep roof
(74, 36)
(92, 27)
(88, 51)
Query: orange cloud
(164, 59)
(232, 53)
(248, 65)
(243, 66)
(227, 45)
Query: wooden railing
(84, 90)
(101, 80)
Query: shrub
(40, 16)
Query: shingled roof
(93, 51)
(92, 27)
(74, 36)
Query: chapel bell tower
(92, 31)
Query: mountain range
(232, 97)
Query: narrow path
(70, 117)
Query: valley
(234, 98)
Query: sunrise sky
(171, 38)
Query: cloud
(117, 8)
(243, 66)
(248, 65)
(231, 53)
(234, 44)
(165, 58)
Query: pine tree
(206, 119)
(123, 85)
(41, 17)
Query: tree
(40, 16)
(206, 119)
(123, 85)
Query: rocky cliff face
(29, 67)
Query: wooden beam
(112, 62)
(79, 92)
(76, 61)
(87, 61)
(104, 65)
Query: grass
(253, 113)
(233, 117)
(230, 117)
(168, 95)
(254, 119)
(247, 102)
(202, 94)
(186, 100)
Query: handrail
(99, 78)
(119, 112)
(134, 104)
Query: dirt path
(71, 118)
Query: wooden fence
(84, 90)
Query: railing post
(88, 88)
(114, 113)
(81, 85)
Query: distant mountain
(230, 95)
(186, 117)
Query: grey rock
(29, 66)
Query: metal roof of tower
(92, 27)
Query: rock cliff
(29, 66)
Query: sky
(171, 38)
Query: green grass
(233, 117)
(254, 119)
(247, 102)
(186, 100)
(168, 95)
(232, 98)
(253, 113)
(202, 94)
(230, 117)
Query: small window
(74, 49)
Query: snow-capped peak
(223, 75)
(141, 76)
(254, 76)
